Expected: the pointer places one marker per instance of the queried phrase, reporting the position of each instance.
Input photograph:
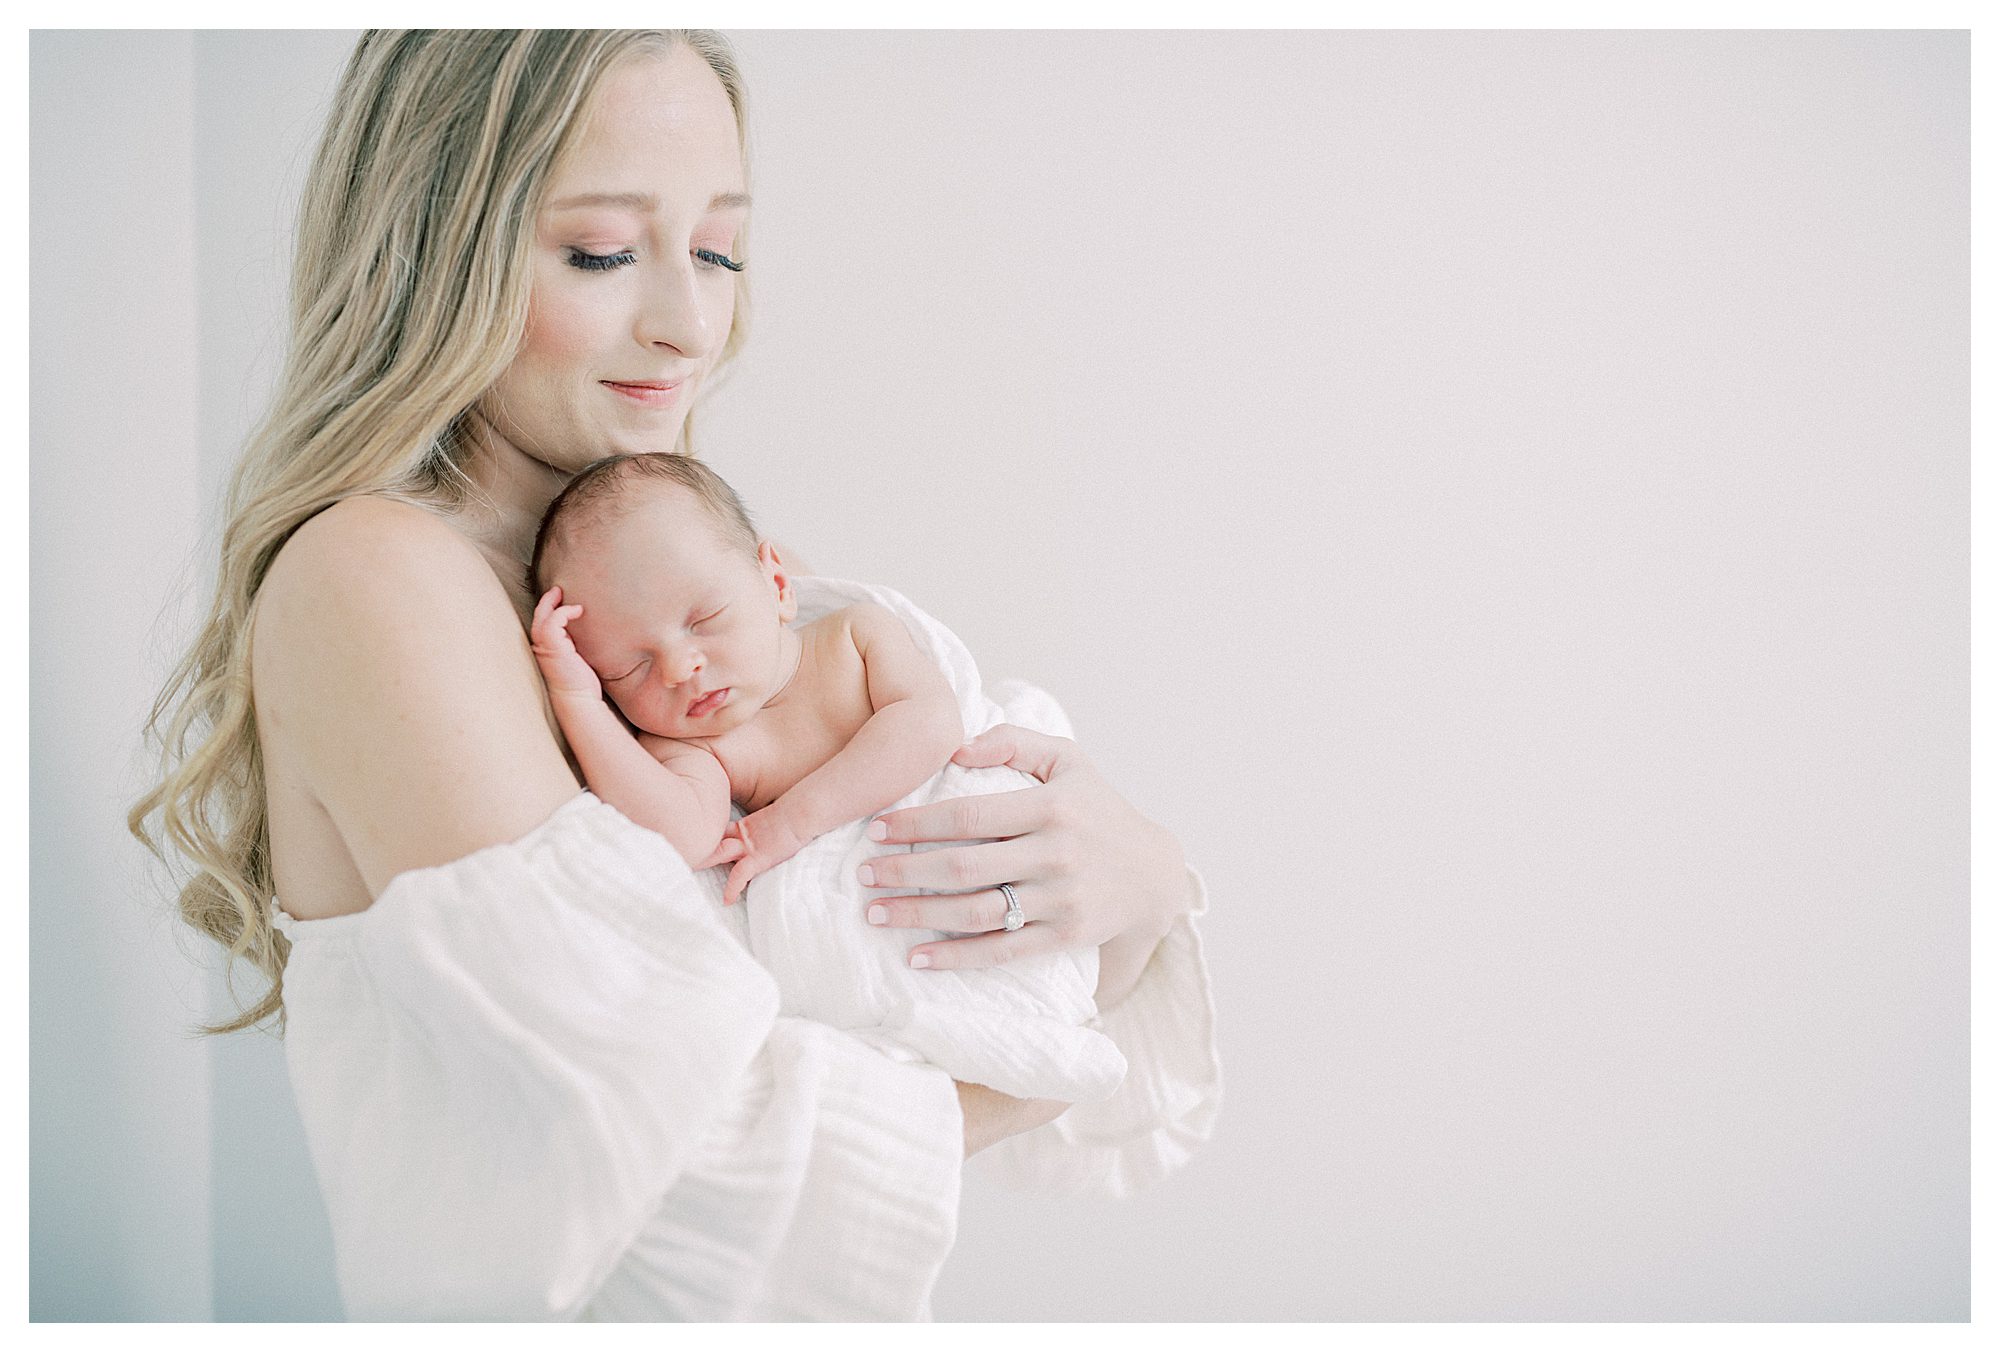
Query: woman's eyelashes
(590, 262)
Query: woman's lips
(708, 703)
(652, 393)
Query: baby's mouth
(708, 703)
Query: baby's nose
(683, 667)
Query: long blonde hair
(409, 298)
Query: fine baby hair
(600, 486)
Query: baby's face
(685, 628)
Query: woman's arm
(991, 1116)
(1153, 991)
(542, 1043)
(390, 665)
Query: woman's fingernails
(920, 959)
(867, 876)
(878, 830)
(878, 915)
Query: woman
(539, 1073)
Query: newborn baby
(656, 591)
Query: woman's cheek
(721, 316)
(561, 333)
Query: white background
(1500, 497)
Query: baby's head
(684, 609)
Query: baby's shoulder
(852, 631)
(859, 620)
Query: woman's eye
(718, 260)
(590, 262)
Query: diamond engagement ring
(1014, 918)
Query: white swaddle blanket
(1018, 1028)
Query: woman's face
(633, 289)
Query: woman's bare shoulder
(393, 573)
(393, 680)
(369, 543)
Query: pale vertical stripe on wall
(119, 1173)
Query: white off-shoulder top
(547, 1080)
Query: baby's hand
(767, 843)
(562, 666)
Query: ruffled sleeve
(527, 1075)
(1167, 1106)
(1168, 1103)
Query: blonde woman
(540, 1074)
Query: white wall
(118, 1091)
(1500, 497)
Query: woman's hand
(1085, 866)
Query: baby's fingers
(726, 851)
(739, 878)
(550, 610)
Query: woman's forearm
(1120, 962)
(991, 1116)
(1122, 959)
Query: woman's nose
(674, 316)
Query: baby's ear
(780, 579)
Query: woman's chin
(653, 441)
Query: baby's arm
(912, 733)
(674, 788)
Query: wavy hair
(409, 298)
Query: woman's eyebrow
(645, 201)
